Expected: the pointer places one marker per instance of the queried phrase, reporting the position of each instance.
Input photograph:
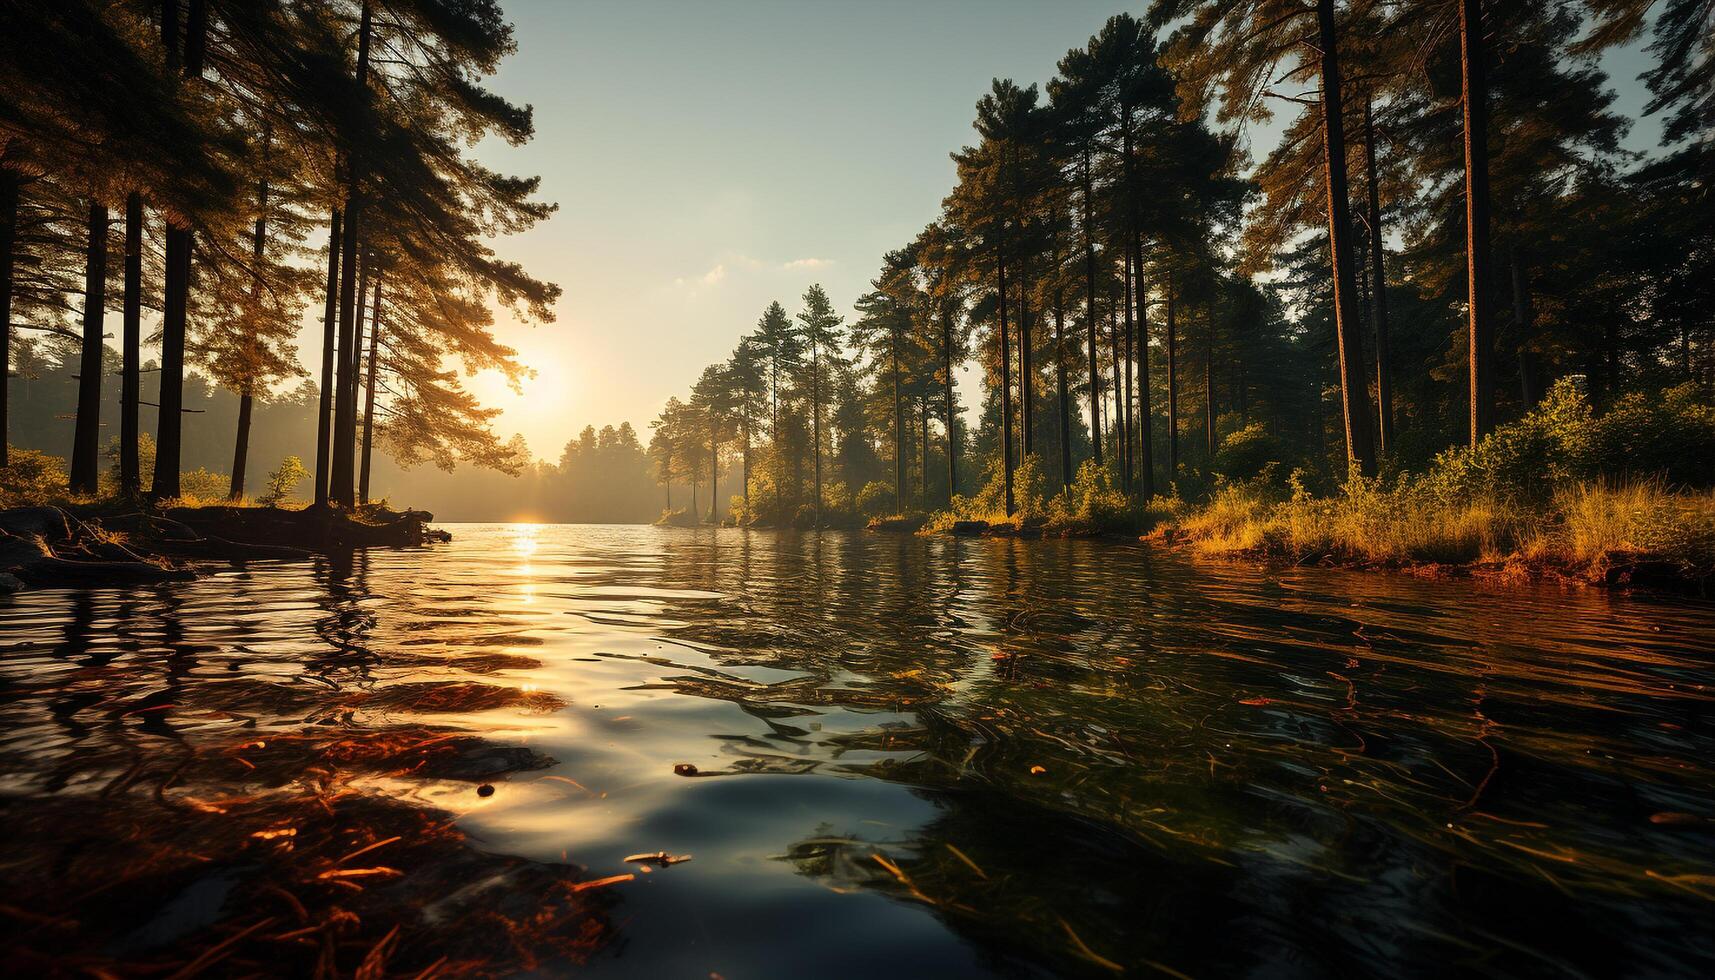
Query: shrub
(283, 481)
(1093, 503)
(203, 486)
(1563, 441)
(145, 464)
(31, 477)
(1252, 453)
(1671, 436)
(875, 499)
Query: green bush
(1670, 436)
(203, 486)
(1252, 453)
(1093, 503)
(875, 499)
(283, 481)
(31, 478)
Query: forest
(1257, 519)
(225, 168)
(1450, 288)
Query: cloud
(708, 278)
(740, 263)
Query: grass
(33, 478)
(1615, 496)
(1592, 529)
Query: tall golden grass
(1582, 527)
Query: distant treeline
(602, 477)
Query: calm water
(946, 757)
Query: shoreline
(113, 544)
(1618, 570)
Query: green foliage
(283, 481)
(145, 464)
(1251, 454)
(875, 499)
(1670, 436)
(204, 486)
(1094, 503)
(837, 503)
(31, 478)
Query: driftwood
(99, 545)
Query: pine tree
(822, 335)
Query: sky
(710, 157)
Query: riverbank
(1628, 534)
(1635, 534)
(117, 543)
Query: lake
(883, 756)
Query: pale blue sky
(710, 157)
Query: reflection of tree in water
(345, 621)
(186, 817)
(1323, 782)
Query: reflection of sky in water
(948, 756)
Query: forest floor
(119, 542)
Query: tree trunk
(1060, 383)
(1123, 401)
(86, 437)
(196, 32)
(1172, 386)
(774, 437)
(241, 447)
(1005, 383)
(345, 399)
(1145, 435)
(923, 451)
(1354, 392)
(1378, 288)
(324, 410)
(259, 242)
(947, 367)
(345, 403)
(1115, 417)
(898, 427)
(816, 413)
(1090, 313)
(1530, 381)
(1475, 90)
(369, 398)
(714, 477)
(1209, 395)
(170, 33)
(130, 375)
(1026, 364)
(1127, 425)
(8, 240)
(170, 401)
(175, 301)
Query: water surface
(916, 757)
